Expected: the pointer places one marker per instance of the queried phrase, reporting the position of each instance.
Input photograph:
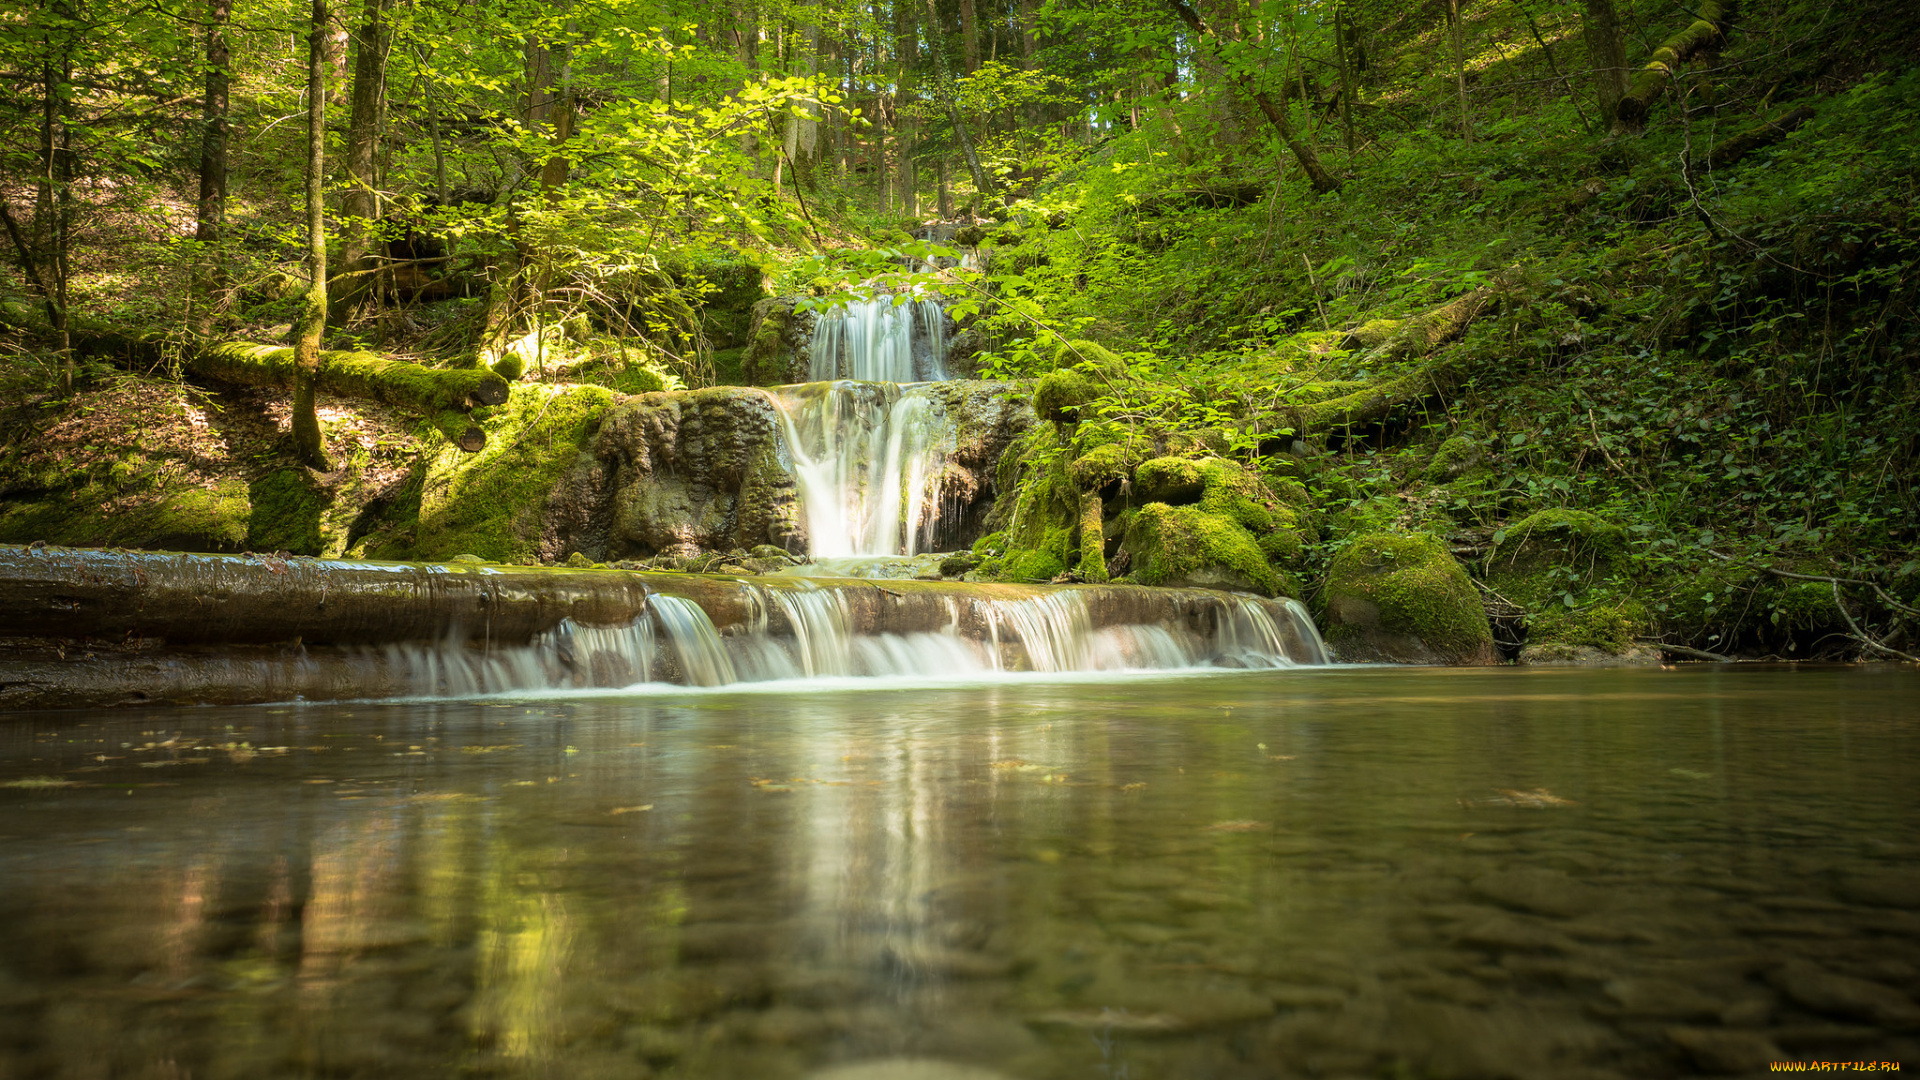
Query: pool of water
(1341, 872)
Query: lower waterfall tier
(120, 628)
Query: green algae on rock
(1404, 599)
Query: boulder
(1403, 598)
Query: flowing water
(809, 632)
(1304, 872)
(866, 461)
(885, 339)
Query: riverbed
(1308, 872)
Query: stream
(1291, 872)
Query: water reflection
(1268, 874)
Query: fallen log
(360, 375)
(1418, 335)
(1702, 33)
(1758, 137)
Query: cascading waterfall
(885, 339)
(867, 459)
(808, 632)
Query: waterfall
(867, 460)
(809, 631)
(875, 341)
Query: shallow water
(1345, 872)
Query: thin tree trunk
(360, 205)
(969, 37)
(308, 443)
(1317, 173)
(1346, 74)
(1608, 56)
(906, 53)
(211, 279)
(1459, 30)
(57, 143)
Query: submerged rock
(1404, 599)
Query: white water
(875, 341)
(813, 638)
(867, 460)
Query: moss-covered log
(1374, 403)
(359, 375)
(354, 375)
(1702, 33)
(1418, 335)
(1759, 137)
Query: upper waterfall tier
(886, 339)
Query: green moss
(1610, 625)
(1093, 542)
(510, 366)
(287, 507)
(1188, 545)
(1092, 358)
(1028, 566)
(1060, 394)
(493, 503)
(162, 515)
(726, 366)
(1104, 464)
(1455, 456)
(1550, 563)
(1171, 480)
(1406, 585)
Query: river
(1306, 872)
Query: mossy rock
(1060, 395)
(1029, 566)
(1404, 599)
(777, 343)
(1552, 563)
(494, 503)
(1105, 464)
(208, 517)
(1608, 625)
(287, 511)
(1455, 457)
(1187, 545)
(1172, 480)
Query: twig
(1862, 635)
(1878, 591)
(1689, 651)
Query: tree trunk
(1601, 29)
(1653, 78)
(1346, 74)
(906, 54)
(360, 204)
(1459, 30)
(1317, 173)
(210, 280)
(969, 37)
(308, 443)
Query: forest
(1572, 332)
